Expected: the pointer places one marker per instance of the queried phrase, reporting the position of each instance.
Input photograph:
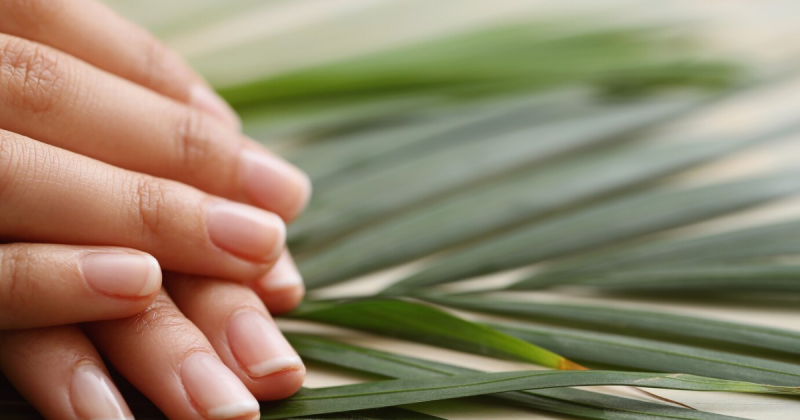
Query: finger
(45, 285)
(51, 195)
(56, 99)
(242, 332)
(282, 288)
(59, 372)
(170, 361)
(89, 30)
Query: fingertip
(274, 184)
(282, 288)
(283, 301)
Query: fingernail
(205, 99)
(284, 275)
(215, 390)
(94, 396)
(274, 184)
(129, 275)
(245, 231)
(259, 346)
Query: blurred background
(544, 150)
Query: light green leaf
(426, 324)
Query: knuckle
(194, 144)
(161, 67)
(32, 76)
(15, 266)
(162, 313)
(161, 318)
(149, 202)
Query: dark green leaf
(601, 225)
(560, 400)
(631, 322)
(409, 391)
(653, 355)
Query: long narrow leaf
(525, 197)
(602, 225)
(409, 391)
(653, 355)
(426, 324)
(560, 400)
(733, 247)
(632, 322)
(336, 211)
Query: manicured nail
(94, 396)
(215, 390)
(284, 275)
(245, 231)
(128, 275)
(274, 184)
(259, 346)
(205, 99)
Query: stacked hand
(117, 162)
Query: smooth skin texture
(117, 161)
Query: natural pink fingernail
(129, 275)
(215, 390)
(259, 346)
(94, 396)
(274, 184)
(205, 99)
(245, 231)
(284, 275)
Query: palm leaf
(632, 322)
(426, 324)
(560, 400)
(409, 391)
(601, 225)
(527, 196)
(653, 355)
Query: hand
(112, 152)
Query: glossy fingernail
(214, 389)
(284, 275)
(274, 184)
(94, 396)
(205, 99)
(259, 346)
(128, 275)
(245, 231)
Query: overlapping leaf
(560, 400)
(654, 355)
(602, 225)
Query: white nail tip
(288, 281)
(153, 277)
(234, 410)
(115, 418)
(275, 365)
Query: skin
(111, 144)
